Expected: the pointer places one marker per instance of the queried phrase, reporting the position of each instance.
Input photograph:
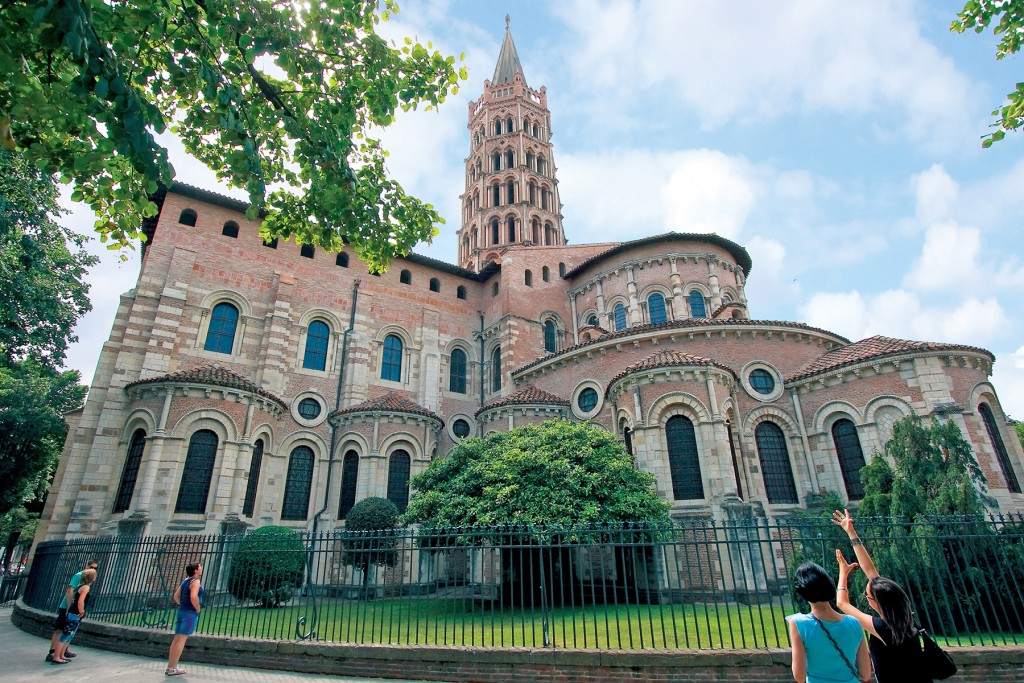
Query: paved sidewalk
(21, 660)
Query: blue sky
(839, 142)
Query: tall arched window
(683, 459)
(230, 229)
(851, 456)
(533, 194)
(528, 278)
(349, 480)
(510, 192)
(508, 125)
(494, 227)
(405, 277)
(187, 217)
(317, 337)
(496, 161)
(220, 337)
(535, 231)
(435, 285)
(497, 127)
(460, 292)
(130, 473)
(398, 479)
(775, 465)
(999, 447)
(592, 320)
(457, 371)
(697, 307)
(510, 224)
(496, 369)
(510, 159)
(656, 308)
(391, 364)
(619, 313)
(198, 472)
(550, 336)
(561, 270)
(298, 484)
(253, 483)
(545, 274)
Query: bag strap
(842, 654)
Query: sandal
(174, 672)
(60, 661)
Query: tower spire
(508, 59)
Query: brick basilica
(252, 383)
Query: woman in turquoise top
(828, 647)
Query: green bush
(267, 568)
(369, 537)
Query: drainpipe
(482, 366)
(337, 403)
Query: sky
(839, 142)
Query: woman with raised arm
(892, 636)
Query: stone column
(154, 454)
(635, 317)
(678, 305)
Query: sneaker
(174, 672)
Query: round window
(762, 381)
(587, 400)
(461, 428)
(309, 408)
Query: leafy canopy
(1008, 16)
(280, 98)
(933, 473)
(267, 567)
(368, 538)
(555, 473)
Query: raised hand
(844, 567)
(845, 521)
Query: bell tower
(511, 196)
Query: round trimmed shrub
(368, 538)
(267, 568)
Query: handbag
(842, 654)
(935, 662)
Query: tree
(556, 473)
(18, 526)
(33, 402)
(933, 472)
(282, 95)
(41, 276)
(368, 539)
(267, 567)
(1008, 16)
(1018, 427)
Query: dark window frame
(850, 455)
(684, 459)
(392, 352)
(253, 482)
(197, 474)
(130, 471)
(218, 338)
(776, 467)
(298, 484)
(398, 478)
(457, 365)
(349, 483)
(996, 439)
(318, 341)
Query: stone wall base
(470, 665)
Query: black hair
(190, 570)
(812, 583)
(894, 608)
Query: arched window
(230, 229)
(775, 465)
(497, 127)
(619, 314)
(496, 161)
(197, 473)
(697, 308)
(533, 193)
(317, 337)
(999, 447)
(435, 285)
(541, 165)
(391, 364)
(529, 160)
(550, 336)
(494, 226)
(298, 484)
(496, 369)
(592, 320)
(510, 159)
(510, 192)
(405, 277)
(457, 371)
(656, 308)
(307, 251)
(220, 337)
(545, 274)
(561, 270)
(536, 131)
(130, 473)
(544, 201)
(494, 289)
(460, 292)
(251, 486)
(398, 479)
(549, 235)
(683, 459)
(341, 260)
(535, 230)
(528, 278)
(627, 436)
(496, 192)
(188, 217)
(508, 125)
(851, 456)
(349, 480)
(510, 224)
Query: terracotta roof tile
(872, 348)
(528, 395)
(390, 402)
(735, 250)
(669, 358)
(213, 375)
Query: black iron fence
(695, 584)
(11, 587)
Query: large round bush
(369, 538)
(267, 567)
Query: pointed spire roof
(508, 60)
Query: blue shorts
(185, 623)
(70, 628)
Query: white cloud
(901, 313)
(728, 61)
(936, 194)
(708, 191)
(1008, 377)
(948, 260)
